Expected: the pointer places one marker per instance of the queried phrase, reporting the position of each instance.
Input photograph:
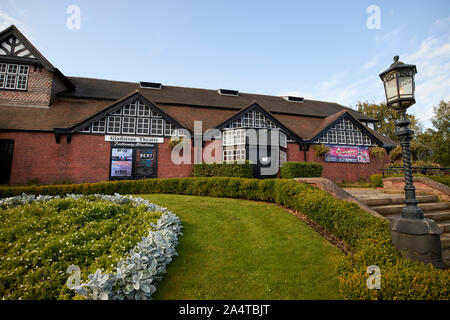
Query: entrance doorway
(6, 155)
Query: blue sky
(317, 49)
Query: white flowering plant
(42, 235)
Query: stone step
(386, 200)
(397, 208)
(445, 241)
(444, 226)
(438, 215)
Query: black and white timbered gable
(133, 115)
(347, 131)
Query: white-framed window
(129, 109)
(10, 81)
(157, 126)
(155, 114)
(358, 138)
(324, 138)
(143, 126)
(367, 141)
(270, 124)
(143, 110)
(234, 154)
(118, 112)
(348, 124)
(350, 137)
(283, 157)
(128, 125)
(169, 129)
(283, 140)
(236, 123)
(233, 137)
(99, 126)
(12, 68)
(260, 120)
(332, 137)
(248, 119)
(114, 124)
(341, 125)
(341, 137)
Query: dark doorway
(6, 155)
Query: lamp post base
(418, 239)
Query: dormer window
(14, 76)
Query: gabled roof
(35, 57)
(256, 106)
(330, 121)
(82, 123)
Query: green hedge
(291, 170)
(234, 169)
(367, 236)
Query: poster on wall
(145, 162)
(121, 162)
(353, 154)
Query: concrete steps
(426, 207)
(389, 205)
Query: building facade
(56, 129)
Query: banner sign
(134, 139)
(352, 154)
(121, 162)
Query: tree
(387, 117)
(438, 139)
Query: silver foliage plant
(136, 275)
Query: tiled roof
(106, 89)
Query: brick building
(56, 129)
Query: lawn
(238, 249)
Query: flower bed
(41, 236)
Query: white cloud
(432, 59)
(6, 20)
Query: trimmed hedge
(233, 169)
(367, 236)
(291, 170)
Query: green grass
(238, 249)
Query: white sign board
(134, 139)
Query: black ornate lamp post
(418, 238)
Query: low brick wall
(422, 185)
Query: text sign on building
(134, 139)
(347, 154)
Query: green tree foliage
(437, 138)
(387, 117)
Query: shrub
(376, 180)
(320, 150)
(41, 236)
(291, 170)
(233, 169)
(377, 152)
(367, 236)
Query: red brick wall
(87, 159)
(38, 90)
(38, 156)
(335, 171)
(166, 168)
